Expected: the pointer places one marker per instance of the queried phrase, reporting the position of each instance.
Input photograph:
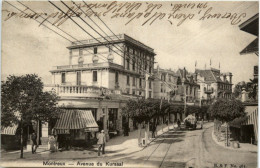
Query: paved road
(185, 148)
(181, 148)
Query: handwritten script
(146, 12)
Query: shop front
(76, 128)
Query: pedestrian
(153, 130)
(179, 123)
(201, 122)
(101, 142)
(34, 142)
(126, 129)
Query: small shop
(76, 128)
(112, 121)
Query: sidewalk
(117, 146)
(124, 145)
(245, 147)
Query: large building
(100, 77)
(175, 86)
(214, 84)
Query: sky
(30, 48)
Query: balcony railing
(80, 91)
(208, 90)
(92, 65)
(98, 40)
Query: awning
(11, 130)
(75, 119)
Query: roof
(212, 75)
(110, 40)
(251, 48)
(251, 25)
(208, 75)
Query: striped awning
(11, 130)
(75, 119)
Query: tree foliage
(142, 110)
(23, 100)
(249, 87)
(227, 110)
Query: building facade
(214, 84)
(100, 77)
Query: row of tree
(147, 110)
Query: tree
(227, 110)
(23, 100)
(249, 87)
(140, 110)
(238, 89)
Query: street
(190, 149)
(176, 148)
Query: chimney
(184, 73)
(196, 77)
(230, 78)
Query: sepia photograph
(160, 84)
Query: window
(140, 93)
(94, 76)
(95, 50)
(128, 80)
(128, 64)
(63, 78)
(78, 78)
(133, 92)
(133, 81)
(80, 51)
(150, 85)
(150, 94)
(150, 69)
(116, 77)
(140, 82)
(161, 88)
(133, 65)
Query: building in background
(214, 84)
(165, 84)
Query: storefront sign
(91, 129)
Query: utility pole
(146, 96)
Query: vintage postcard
(129, 84)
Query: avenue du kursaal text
(82, 163)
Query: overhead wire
(94, 30)
(44, 24)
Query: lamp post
(23, 96)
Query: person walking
(179, 123)
(34, 142)
(101, 142)
(126, 129)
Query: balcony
(86, 66)
(208, 90)
(80, 91)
